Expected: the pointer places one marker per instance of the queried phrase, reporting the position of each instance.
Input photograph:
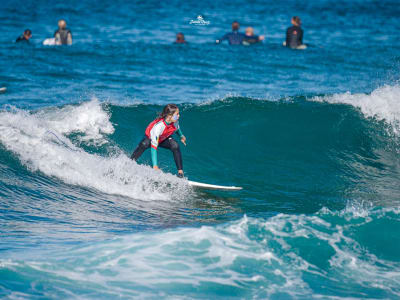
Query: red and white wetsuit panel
(159, 130)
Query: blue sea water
(312, 136)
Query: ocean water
(312, 136)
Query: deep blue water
(312, 136)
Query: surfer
(250, 38)
(180, 38)
(63, 35)
(159, 133)
(235, 37)
(25, 36)
(294, 34)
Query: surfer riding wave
(159, 133)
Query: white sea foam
(382, 104)
(39, 140)
(192, 257)
(89, 118)
(245, 255)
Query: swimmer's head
(62, 24)
(235, 26)
(27, 34)
(180, 38)
(249, 31)
(296, 21)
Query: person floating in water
(25, 36)
(294, 34)
(180, 38)
(235, 37)
(159, 133)
(63, 35)
(250, 38)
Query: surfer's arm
(178, 130)
(180, 134)
(155, 133)
(154, 157)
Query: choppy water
(312, 136)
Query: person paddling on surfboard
(159, 133)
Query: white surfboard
(49, 42)
(3, 89)
(301, 47)
(207, 186)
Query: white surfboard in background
(49, 42)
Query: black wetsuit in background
(21, 38)
(253, 39)
(63, 35)
(234, 38)
(294, 37)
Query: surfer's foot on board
(180, 174)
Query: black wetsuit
(21, 38)
(294, 37)
(234, 38)
(168, 143)
(63, 35)
(253, 39)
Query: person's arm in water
(225, 37)
(301, 36)
(57, 37)
(69, 38)
(287, 37)
(154, 136)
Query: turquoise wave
(289, 155)
(331, 255)
(295, 149)
(318, 215)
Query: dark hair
(180, 36)
(235, 25)
(168, 109)
(296, 19)
(28, 31)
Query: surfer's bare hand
(183, 140)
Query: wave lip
(382, 104)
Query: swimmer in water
(159, 133)
(25, 36)
(180, 38)
(294, 34)
(63, 35)
(250, 38)
(235, 37)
